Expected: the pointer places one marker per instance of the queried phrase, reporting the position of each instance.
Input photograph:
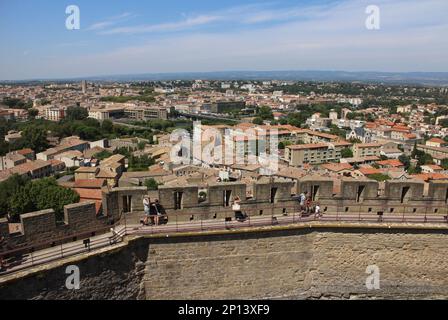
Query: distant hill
(423, 78)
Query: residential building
(362, 150)
(298, 155)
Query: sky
(134, 37)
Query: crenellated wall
(352, 195)
(41, 228)
(275, 196)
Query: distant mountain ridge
(428, 78)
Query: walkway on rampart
(28, 258)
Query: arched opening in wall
(315, 193)
(370, 210)
(360, 194)
(261, 212)
(127, 204)
(178, 200)
(446, 196)
(392, 210)
(347, 209)
(404, 193)
(274, 195)
(436, 210)
(415, 210)
(227, 196)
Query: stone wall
(357, 196)
(323, 262)
(40, 229)
(114, 275)
(300, 264)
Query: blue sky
(135, 36)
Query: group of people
(152, 212)
(307, 207)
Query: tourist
(302, 200)
(317, 212)
(308, 205)
(147, 209)
(155, 213)
(236, 207)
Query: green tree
(32, 113)
(445, 164)
(258, 121)
(151, 184)
(265, 113)
(404, 159)
(8, 189)
(107, 126)
(347, 153)
(76, 113)
(35, 138)
(41, 195)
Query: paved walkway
(132, 228)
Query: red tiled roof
(390, 163)
(437, 140)
(24, 151)
(337, 167)
(431, 176)
(369, 171)
(90, 183)
(89, 194)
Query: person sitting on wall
(236, 207)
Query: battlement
(279, 196)
(79, 219)
(273, 196)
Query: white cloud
(111, 21)
(174, 26)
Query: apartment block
(298, 155)
(362, 150)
